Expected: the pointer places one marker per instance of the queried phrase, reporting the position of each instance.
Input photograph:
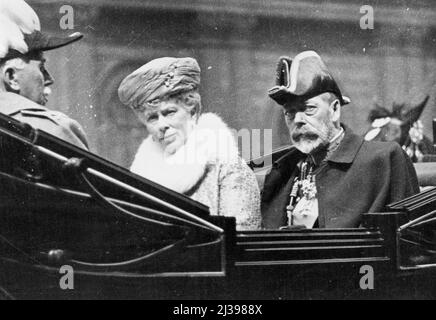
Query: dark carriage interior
(104, 228)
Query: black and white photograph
(220, 155)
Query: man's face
(34, 80)
(311, 123)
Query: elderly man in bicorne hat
(24, 80)
(331, 176)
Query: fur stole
(210, 143)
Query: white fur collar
(211, 142)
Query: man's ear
(336, 111)
(10, 79)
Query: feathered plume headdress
(17, 18)
(380, 116)
(20, 31)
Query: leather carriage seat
(426, 172)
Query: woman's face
(169, 123)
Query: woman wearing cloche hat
(187, 151)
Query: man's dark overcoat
(359, 177)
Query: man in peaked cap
(330, 176)
(24, 80)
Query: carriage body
(126, 237)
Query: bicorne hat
(405, 114)
(305, 77)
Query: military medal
(292, 200)
(308, 187)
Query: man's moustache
(296, 136)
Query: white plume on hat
(16, 19)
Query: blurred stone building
(237, 43)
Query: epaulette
(55, 117)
